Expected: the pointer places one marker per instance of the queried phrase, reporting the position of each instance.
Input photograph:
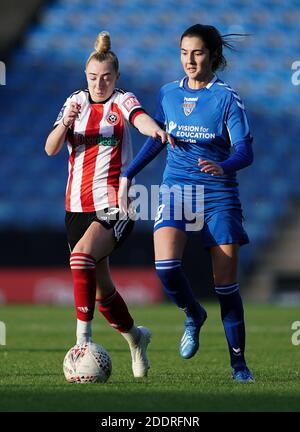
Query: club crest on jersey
(189, 105)
(113, 118)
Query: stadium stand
(49, 65)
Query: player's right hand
(164, 137)
(123, 199)
(71, 114)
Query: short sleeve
(237, 121)
(75, 97)
(62, 111)
(130, 105)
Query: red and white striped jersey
(99, 145)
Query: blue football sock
(232, 314)
(177, 287)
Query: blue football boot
(189, 343)
(242, 374)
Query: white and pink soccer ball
(87, 363)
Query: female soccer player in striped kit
(95, 124)
(206, 118)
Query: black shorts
(78, 223)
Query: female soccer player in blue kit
(206, 117)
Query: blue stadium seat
(146, 41)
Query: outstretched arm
(152, 147)
(147, 153)
(147, 126)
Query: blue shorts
(217, 226)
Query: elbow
(244, 153)
(250, 158)
(49, 151)
(250, 152)
(48, 148)
(51, 148)
(248, 161)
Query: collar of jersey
(99, 103)
(183, 83)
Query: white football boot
(140, 363)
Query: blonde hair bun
(102, 44)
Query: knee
(225, 276)
(81, 247)
(225, 280)
(79, 259)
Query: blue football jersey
(205, 124)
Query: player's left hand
(210, 167)
(164, 137)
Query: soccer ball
(87, 363)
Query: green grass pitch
(37, 338)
